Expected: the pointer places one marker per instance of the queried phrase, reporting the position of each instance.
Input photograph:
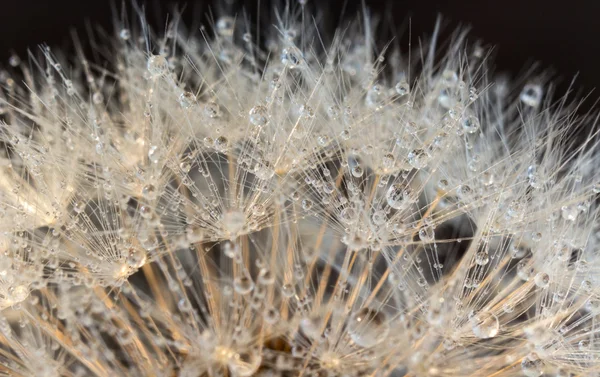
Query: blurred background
(562, 36)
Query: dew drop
(397, 195)
(225, 26)
(18, 293)
(221, 143)
(357, 171)
(157, 65)
(470, 124)
(291, 57)
(125, 34)
(417, 158)
(388, 161)
(259, 115)
(542, 280)
(368, 327)
(485, 325)
(233, 222)
(136, 257)
(402, 88)
(482, 258)
(187, 100)
(243, 285)
(426, 233)
(532, 365)
(531, 95)
(245, 364)
(307, 204)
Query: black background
(562, 36)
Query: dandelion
(320, 205)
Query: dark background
(562, 36)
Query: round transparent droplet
(79, 206)
(243, 285)
(531, 95)
(225, 26)
(125, 34)
(18, 293)
(245, 364)
(221, 143)
(291, 57)
(532, 365)
(212, 109)
(187, 100)
(154, 154)
(417, 158)
(482, 258)
(542, 280)
(233, 222)
(157, 65)
(307, 204)
(259, 115)
(402, 88)
(397, 196)
(136, 257)
(427, 234)
(368, 327)
(485, 325)
(470, 124)
(357, 171)
(149, 191)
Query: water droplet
(291, 57)
(333, 112)
(397, 195)
(569, 212)
(149, 191)
(368, 327)
(221, 144)
(233, 222)
(375, 97)
(136, 257)
(348, 215)
(271, 316)
(426, 233)
(532, 365)
(531, 95)
(287, 290)
(18, 293)
(307, 204)
(97, 98)
(470, 124)
(212, 109)
(243, 285)
(125, 34)
(225, 26)
(379, 217)
(357, 171)
(449, 77)
(187, 100)
(402, 88)
(157, 65)
(259, 115)
(245, 364)
(542, 280)
(154, 154)
(482, 258)
(524, 271)
(79, 206)
(417, 158)
(485, 325)
(388, 161)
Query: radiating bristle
(204, 205)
